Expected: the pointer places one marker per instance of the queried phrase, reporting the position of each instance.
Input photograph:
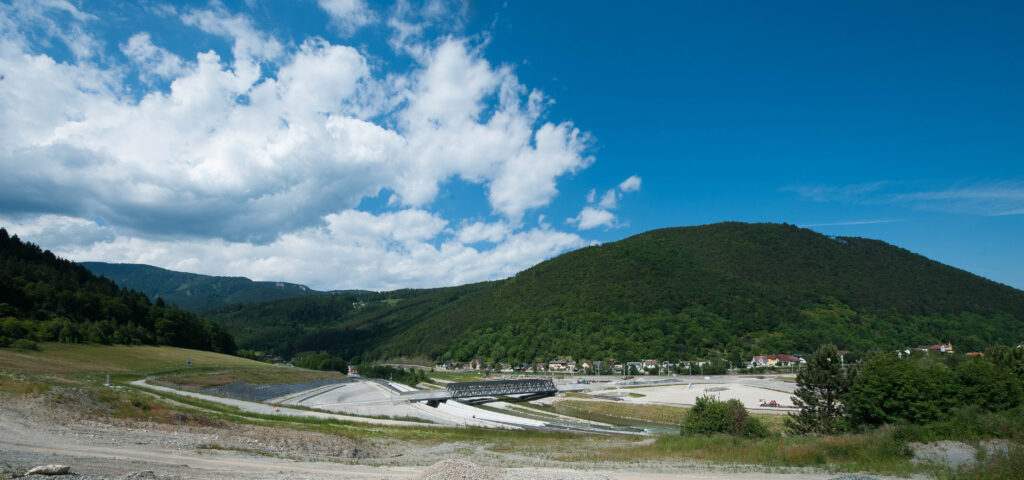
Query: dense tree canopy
(920, 388)
(195, 292)
(45, 298)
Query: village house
(775, 360)
(943, 348)
(558, 365)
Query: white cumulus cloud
(600, 215)
(610, 199)
(347, 16)
(153, 61)
(353, 250)
(240, 160)
(630, 184)
(591, 217)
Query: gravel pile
(460, 470)
(956, 454)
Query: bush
(322, 361)
(890, 390)
(24, 344)
(983, 383)
(409, 377)
(710, 416)
(967, 424)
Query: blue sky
(351, 144)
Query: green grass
(462, 376)
(58, 358)
(91, 363)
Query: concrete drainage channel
(262, 393)
(375, 400)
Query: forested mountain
(728, 289)
(192, 291)
(45, 298)
(347, 324)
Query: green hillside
(47, 299)
(724, 288)
(348, 324)
(728, 289)
(192, 291)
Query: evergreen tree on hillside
(820, 387)
(48, 299)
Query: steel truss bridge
(468, 390)
(500, 387)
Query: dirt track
(37, 431)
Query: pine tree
(820, 387)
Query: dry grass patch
(877, 452)
(618, 411)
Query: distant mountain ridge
(48, 299)
(192, 291)
(728, 289)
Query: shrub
(887, 389)
(983, 383)
(24, 344)
(710, 416)
(967, 423)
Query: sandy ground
(686, 395)
(38, 430)
(683, 391)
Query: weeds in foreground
(968, 424)
(1008, 466)
(877, 452)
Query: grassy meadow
(91, 364)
